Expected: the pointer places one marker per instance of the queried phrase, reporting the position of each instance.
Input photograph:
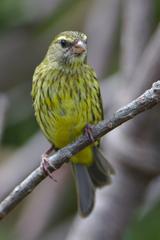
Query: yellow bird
(66, 99)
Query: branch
(146, 101)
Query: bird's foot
(88, 132)
(46, 166)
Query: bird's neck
(73, 66)
(68, 62)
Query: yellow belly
(66, 130)
(66, 127)
(63, 123)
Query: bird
(67, 102)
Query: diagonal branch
(146, 101)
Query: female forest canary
(66, 98)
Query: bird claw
(45, 165)
(88, 132)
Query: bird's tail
(88, 178)
(101, 170)
(85, 189)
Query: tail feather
(88, 178)
(101, 170)
(85, 189)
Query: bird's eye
(64, 43)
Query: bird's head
(68, 48)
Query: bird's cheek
(66, 54)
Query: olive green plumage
(66, 97)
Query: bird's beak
(79, 47)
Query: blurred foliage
(65, 7)
(10, 13)
(146, 227)
(157, 11)
(18, 133)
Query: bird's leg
(45, 164)
(51, 149)
(88, 132)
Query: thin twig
(146, 101)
